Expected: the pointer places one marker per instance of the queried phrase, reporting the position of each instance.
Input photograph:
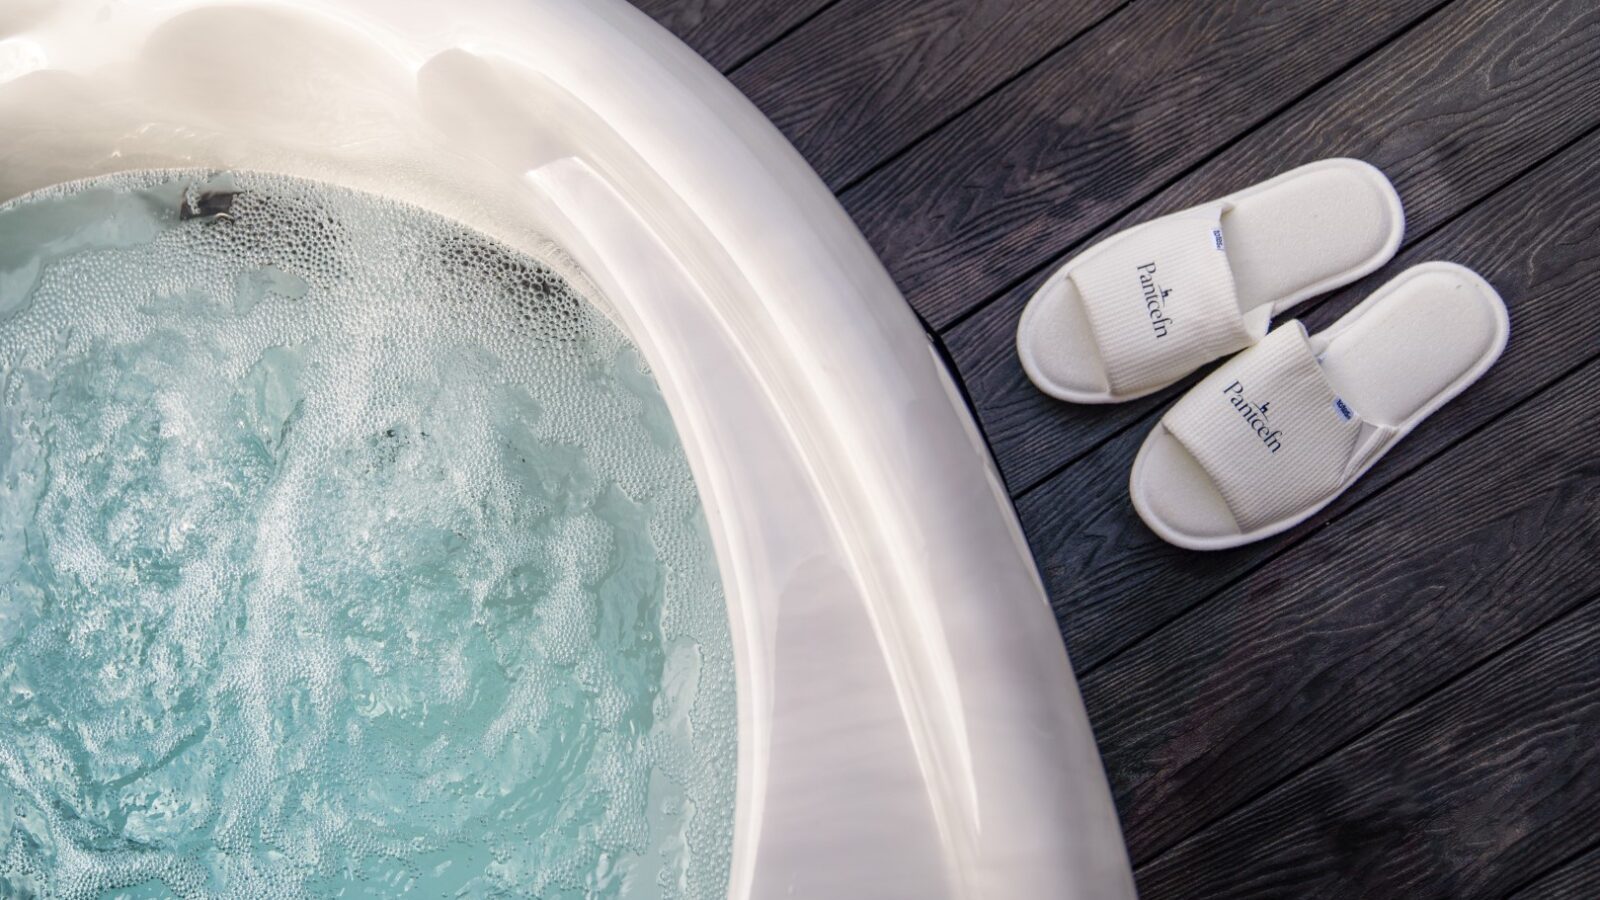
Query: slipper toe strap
(1269, 429)
(1161, 301)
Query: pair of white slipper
(1285, 426)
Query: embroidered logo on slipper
(1255, 416)
(1155, 299)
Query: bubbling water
(343, 552)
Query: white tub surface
(909, 723)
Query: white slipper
(1279, 431)
(1143, 308)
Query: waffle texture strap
(1161, 301)
(1269, 430)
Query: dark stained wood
(1437, 573)
(1574, 879)
(1112, 581)
(1401, 698)
(867, 78)
(1062, 150)
(1491, 88)
(728, 32)
(1497, 775)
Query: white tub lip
(905, 503)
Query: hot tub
(908, 722)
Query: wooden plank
(1572, 880)
(868, 78)
(728, 32)
(1443, 570)
(1451, 111)
(1057, 153)
(1496, 776)
(1111, 581)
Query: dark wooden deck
(1402, 697)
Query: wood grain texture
(868, 78)
(1058, 153)
(727, 32)
(1497, 775)
(1111, 581)
(1489, 88)
(1393, 699)
(1356, 623)
(1575, 879)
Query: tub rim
(889, 492)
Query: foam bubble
(342, 549)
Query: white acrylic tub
(909, 724)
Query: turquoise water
(345, 553)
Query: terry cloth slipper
(1143, 308)
(1279, 431)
